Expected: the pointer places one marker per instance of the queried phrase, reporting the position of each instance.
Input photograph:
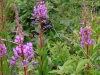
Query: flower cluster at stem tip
(85, 36)
(27, 51)
(40, 10)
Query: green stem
(87, 52)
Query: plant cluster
(51, 37)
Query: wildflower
(27, 51)
(40, 11)
(85, 36)
(18, 39)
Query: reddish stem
(25, 71)
(87, 46)
(87, 50)
(84, 15)
(23, 56)
(22, 52)
(41, 41)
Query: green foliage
(65, 69)
(81, 66)
(62, 53)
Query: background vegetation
(61, 40)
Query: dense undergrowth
(49, 37)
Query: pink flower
(27, 50)
(18, 39)
(85, 36)
(40, 10)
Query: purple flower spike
(85, 36)
(27, 51)
(18, 39)
(40, 11)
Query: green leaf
(55, 71)
(81, 64)
(68, 62)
